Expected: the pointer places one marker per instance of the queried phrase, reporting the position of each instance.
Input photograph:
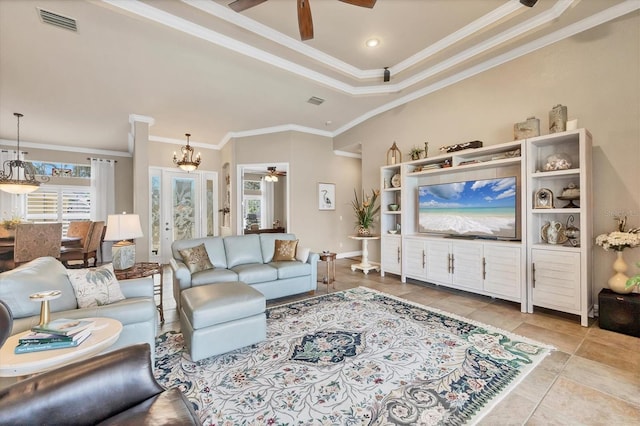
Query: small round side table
(330, 259)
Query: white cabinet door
(415, 258)
(466, 265)
(556, 280)
(391, 254)
(502, 271)
(438, 262)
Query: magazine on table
(64, 326)
(37, 337)
(36, 347)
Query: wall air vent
(58, 20)
(315, 100)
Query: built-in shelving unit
(531, 270)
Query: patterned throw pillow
(95, 286)
(196, 258)
(285, 250)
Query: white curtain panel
(103, 185)
(267, 208)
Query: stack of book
(57, 334)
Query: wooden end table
(330, 259)
(105, 333)
(142, 270)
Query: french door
(183, 206)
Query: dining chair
(88, 251)
(34, 240)
(79, 228)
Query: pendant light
(17, 176)
(187, 162)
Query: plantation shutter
(59, 204)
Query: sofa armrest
(313, 259)
(181, 274)
(137, 287)
(85, 392)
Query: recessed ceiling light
(372, 42)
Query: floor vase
(618, 282)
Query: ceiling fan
(305, 23)
(272, 174)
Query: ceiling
(196, 66)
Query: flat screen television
(473, 208)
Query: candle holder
(44, 297)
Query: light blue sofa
(246, 258)
(137, 312)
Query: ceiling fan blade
(361, 3)
(305, 23)
(240, 5)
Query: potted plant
(634, 281)
(365, 211)
(415, 153)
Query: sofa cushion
(242, 249)
(213, 276)
(255, 273)
(95, 286)
(268, 244)
(285, 250)
(302, 254)
(214, 246)
(291, 269)
(41, 274)
(196, 258)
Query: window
(62, 169)
(252, 203)
(54, 203)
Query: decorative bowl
(393, 231)
(393, 207)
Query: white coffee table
(105, 333)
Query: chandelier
(17, 176)
(187, 162)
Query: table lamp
(122, 228)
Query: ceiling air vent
(58, 20)
(315, 100)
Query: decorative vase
(618, 282)
(363, 232)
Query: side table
(145, 269)
(104, 333)
(330, 259)
(364, 264)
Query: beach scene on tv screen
(474, 208)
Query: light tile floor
(593, 378)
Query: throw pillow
(285, 250)
(196, 258)
(302, 254)
(95, 286)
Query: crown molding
(174, 141)
(347, 154)
(65, 148)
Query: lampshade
(123, 227)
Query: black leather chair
(6, 322)
(117, 388)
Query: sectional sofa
(246, 258)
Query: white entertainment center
(531, 269)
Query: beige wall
(311, 160)
(596, 74)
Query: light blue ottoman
(218, 318)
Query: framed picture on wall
(326, 196)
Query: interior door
(183, 206)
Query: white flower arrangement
(619, 240)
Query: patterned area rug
(356, 357)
